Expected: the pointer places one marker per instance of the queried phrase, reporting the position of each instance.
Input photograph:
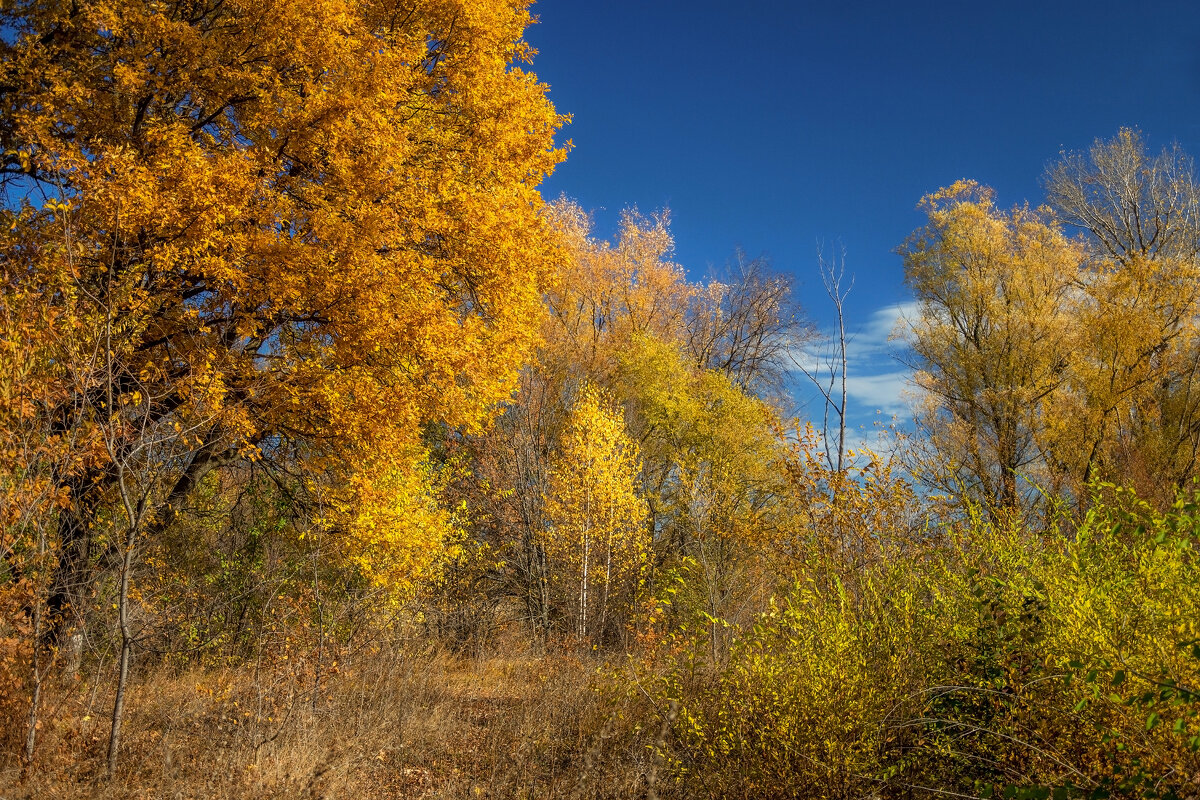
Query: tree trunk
(70, 578)
(118, 714)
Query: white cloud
(886, 330)
(876, 382)
(883, 392)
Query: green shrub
(993, 661)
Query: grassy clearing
(396, 720)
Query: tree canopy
(284, 230)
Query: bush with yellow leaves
(991, 661)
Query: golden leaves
(306, 228)
(1048, 362)
(996, 330)
(597, 541)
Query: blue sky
(775, 126)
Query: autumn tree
(712, 486)
(617, 300)
(623, 317)
(597, 542)
(607, 293)
(741, 323)
(33, 459)
(1140, 293)
(322, 217)
(1064, 361)
(992, 344)
(506, 489)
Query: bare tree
(1133, 203)
(828, 372)
(146, 450)
(748, 326)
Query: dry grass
(399, 721)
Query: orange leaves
(277, 231)
(609, 293)
(312, 180)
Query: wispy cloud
(876, 381)
(886, 330)
(875, 378)
(882, 392)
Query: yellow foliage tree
(1050, 362)
(1140, 297)
(685, 360)
(597, 541)
(608, 293)
(993, 343)
(712, 484)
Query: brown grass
(398, 721)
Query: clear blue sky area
(774, 126)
